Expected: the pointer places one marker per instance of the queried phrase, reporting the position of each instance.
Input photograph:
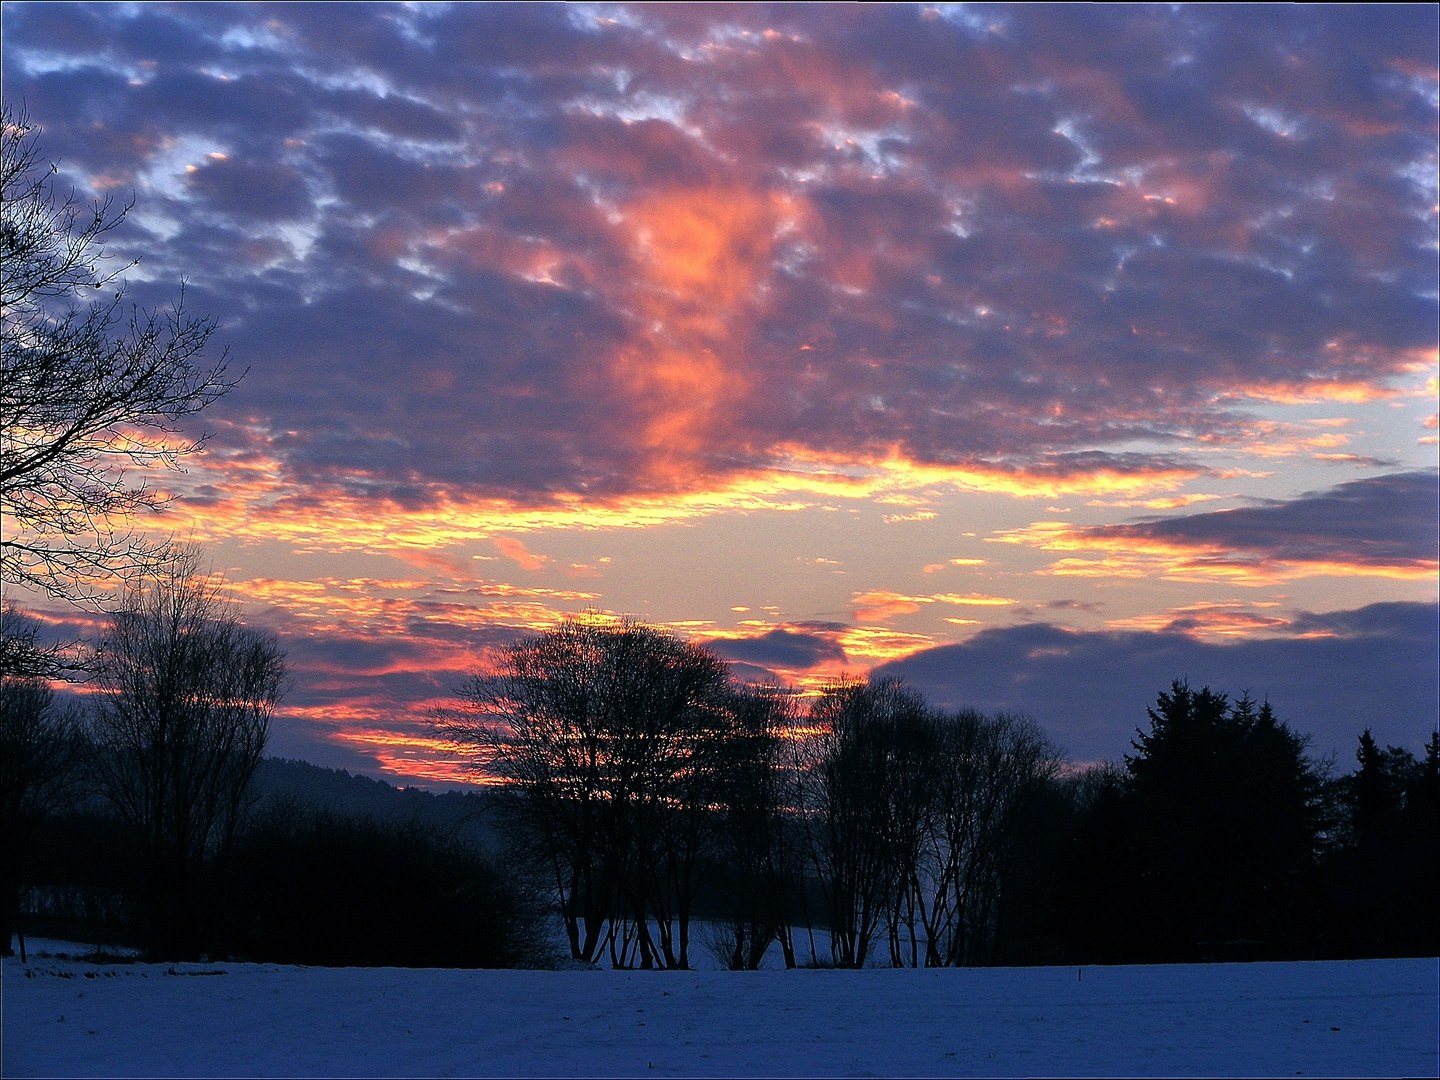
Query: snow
(65, 1016)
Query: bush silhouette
(310, 887)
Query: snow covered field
(65, 1017)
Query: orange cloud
(871, 646)
(515, 551)
(935, 568)
(1138, 557)
(1211, 620)
(1377, 527)
(702, 254)
(245, 495)
(880, 605)
(430, 758)
(1351, 392)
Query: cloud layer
(550, 270)
(1387, 526)
(536, 255)
(1332, 676)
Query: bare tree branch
(89, 393)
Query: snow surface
(67, 1017)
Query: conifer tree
(1222, 809)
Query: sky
(1037, 355)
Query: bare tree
(603, 728)
(910, 816)
(983, 767)
(862, 770)
(185, 697)
(541, 718)
(757, 853)
(89, 394)
(913, 764)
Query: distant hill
(340, 792)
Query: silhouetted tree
(1223, 815)
(757, 852)
(913, 820)
(1378, 790)
(864, 767)
(1421, 825)
(182, 713)
(1423, 798)
(916, 767)
(1058, 903)
(88, 395)
(1382, 876)
(984, 769)
(606, 730)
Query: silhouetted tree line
(1381, 881)
(858, 825)
(661, 806)
(130, 814)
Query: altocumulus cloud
(537, 254)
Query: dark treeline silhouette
(1208, 844)
(142, 813)
(1381, 883)
(858, 825)
(308, 886)
(659, 806)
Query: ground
(65, 1016)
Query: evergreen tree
(1222, 812)
(1381, 884)
(1374, 795)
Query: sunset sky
(1038, 354)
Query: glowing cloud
(515, 268)
(879, 605)
(1382, 527)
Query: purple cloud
(1375, 667)
(1377, 522)
(522, 253)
